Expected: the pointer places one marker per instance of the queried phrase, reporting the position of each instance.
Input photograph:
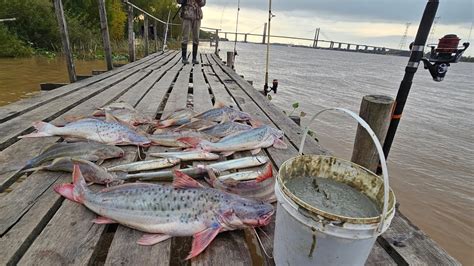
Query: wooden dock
(40, 227)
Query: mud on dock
(38, 226)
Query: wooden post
(376, 110)
(71, 69)
(104, 29)
(145, 33)
(264, 33)
(155, 35)
(230, 59)
(217, 43)
(131, 37)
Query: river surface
(431, 161)
(20, 77)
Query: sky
(373, 22)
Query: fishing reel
(440, 58)
(274, 87)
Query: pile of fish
(236, 198)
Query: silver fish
(145, 165)
(200, 170)
(187, 155)
(170, 139)
(222, 113)
(225, 129)
(91, 151)
(92, 129)
(254, 140)
(124, 113)
(258, 185)
(184, 209)
(197, 124)
(91, 172)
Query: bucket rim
(329, 215)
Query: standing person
(191, 14)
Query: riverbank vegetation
(35, 30)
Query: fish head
(110, 151)
(247, 212)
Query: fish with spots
(184, 209)
(91, 129)
(254, 140)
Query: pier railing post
(131, 37)
(145, 33)
(230, 59)
(71, 69)
(217, 43)
(155, 35)
(376, 110)
(104, 29)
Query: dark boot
(195, 52)
(184, 54)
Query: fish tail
(43, 129)
(75, 191)
(166, 123)
(267, 173)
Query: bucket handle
(378, 146)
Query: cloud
(451, 12)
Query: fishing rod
(275, 82)
(438, 62)
(236, 30)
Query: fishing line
(261, 244)
(236, 29)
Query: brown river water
(431, 162)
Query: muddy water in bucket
(333, 197)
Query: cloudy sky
(375, 22)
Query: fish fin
(166, 123)
(152, 239)
(225, 118)
(182, 180)
(99, 161)
(103, 220)
(218, 104)
(255, 151)
(98, 113)
(74, 192)
(227, 153)
(280, 144)
(42, 129)
(267, 173)
(192, 141)
(255, 123)
(202, 239)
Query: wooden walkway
(40, 227)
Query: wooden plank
(414, 247)
(21, 151)
(10, 130)
(378, 256)
(104, 29)
(25, 105)
(293, 131)
(179, 94)
(201, 98)
(217, 88)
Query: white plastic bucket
(305, 235)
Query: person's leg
(196, 30)
(187, 24)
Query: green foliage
(11, 46)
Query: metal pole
(71, 69)
(236, 29)
(105, 34)
(165, 39)
(268, 44)
(410, 70)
